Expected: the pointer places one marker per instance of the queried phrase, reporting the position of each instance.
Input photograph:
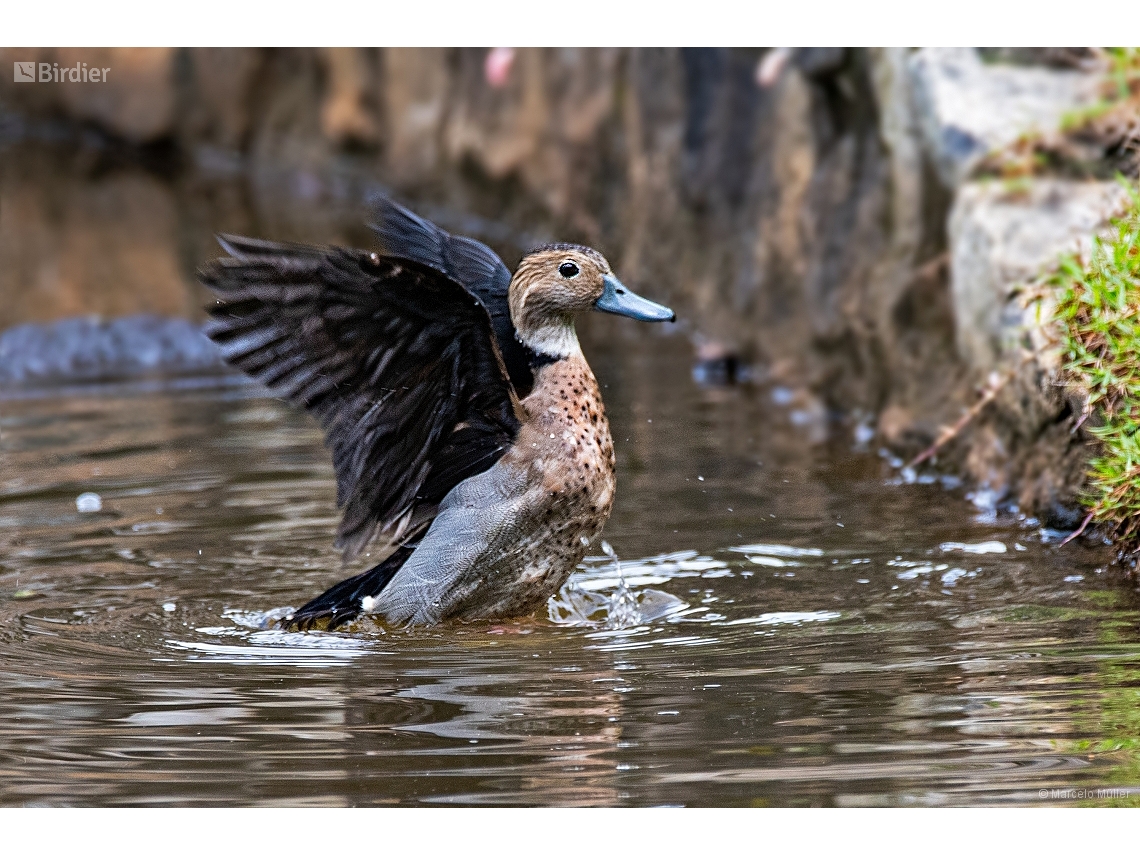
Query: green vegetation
(1099, 313)
(1124, 70)
(1122, 82)
(1096, 141)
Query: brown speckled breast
(567, 453)
(507, 539)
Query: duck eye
(568, 269)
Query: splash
(583, 600)
(623, 611)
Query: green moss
(1098, 310)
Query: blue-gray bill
(619, 300)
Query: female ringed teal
(468, 434)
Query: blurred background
(797, 206)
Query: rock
(988, 464)
(221, 84)
(968, 108)
(74, 247)
(136, 103)
(348, 115)
(1001, 237)
(717, 365)
(896, 426)
(88, 349)
(536, 120)
(415, 98)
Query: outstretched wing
(402, 234)
(396, 361)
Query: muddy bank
(798, 208)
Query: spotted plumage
(468, 435)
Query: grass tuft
(1098, 310)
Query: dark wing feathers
(397, 362)
(403, 234)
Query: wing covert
(405, 235)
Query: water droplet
(88, 503)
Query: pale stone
(1000, 238)
(967, 108)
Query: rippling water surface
(793, 629)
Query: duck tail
(342, 602)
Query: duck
(468, 435)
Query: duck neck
(553, 340)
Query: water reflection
(809, 635)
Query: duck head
(553, 283)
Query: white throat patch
(557, 339)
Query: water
(793, 623)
